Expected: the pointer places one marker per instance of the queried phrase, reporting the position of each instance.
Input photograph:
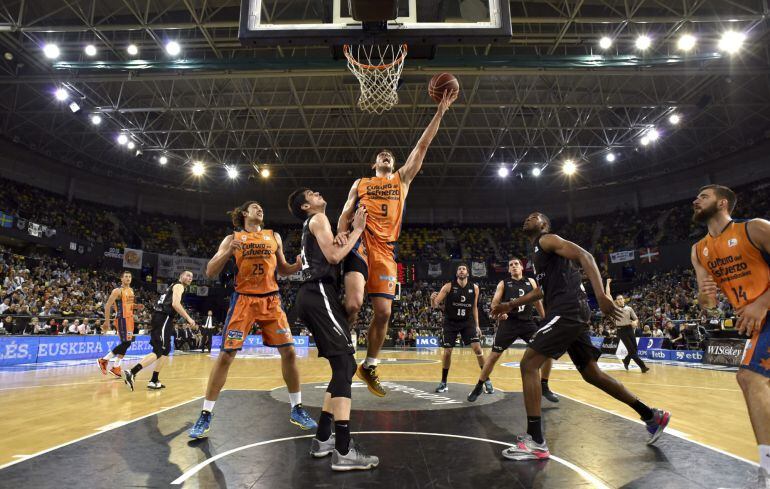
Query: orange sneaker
(116, 372)
(103, 365)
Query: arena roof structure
(554, 93)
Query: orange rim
(399, 60)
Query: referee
(208, 332)
(625, 325)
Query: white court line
(109, 427)
(671, 432)
(597, 482)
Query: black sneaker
(129, 379)
(548, 394)
(475, 393)
(626, 361)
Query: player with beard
(371, 266)
(734, 257)
(461, 317)
(516, 324)
(565, 329)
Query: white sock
(208, 405)
(295, 398)
(764, 457)
(370, 362)
(108, 356)
(117, 362)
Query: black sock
(444, 374)
(154, 377)
(544, 384)
(342, 437)
(643, 410)
(136, 368)
(479, 384)
(535, 429)
(324, 426)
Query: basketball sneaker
(320, 449)
(488, 387)
(475, 393)
(548, 394)
(300, 417)
(129, 380)
(525, 448)
(103, 365)
(201, 427)
(356, 459)
(371, 379)
(657, 424)
(116, 372)
(155, 385)
(626, 362)
(442, 387)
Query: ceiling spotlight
(162, 160)
(232, 172)
(8, 56)
(502, 172)
(130, 145)
(74, 107)
(51, 51)
(122, 139)
(91, 50)
(265, 172)
(605, 42)
(96, 119)
(653, 134)
(610, 157)
(173, 48)
(569, 167)
(645, 140)
(132, 49)
(686, 42)
(198, 169)
(731, 42)
(643, 42)
(536, 171)
(674, 119)
(61, 94)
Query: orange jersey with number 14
(384, 199)
(256, 262)
(738, 267)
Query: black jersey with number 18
(513, 289)
(459, 302)
(562, 285)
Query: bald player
(371, 266)
(734, 257)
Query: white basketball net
(377, 69)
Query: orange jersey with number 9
(384, 199)
(255, 262)
(738, 267)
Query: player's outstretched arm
(413, 163)
(285, 268)
(322, 230)
(437, 298)
(751, 317)
(219, 260)
(343, 223)
(571, 251)
(176, 303)
(707, 287)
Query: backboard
(329, 22)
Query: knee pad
(343, 369)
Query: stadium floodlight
(645, 140)
(61, 94)
(51, 51)
(536, 171)
(731, 42)
(198, 169)
(132, 49)
(643, 42)
(96, 119)
(569, 167)
(503, 171)
(686, 42)
(674, 119)
(265, 172)
(653, 134)
(162, 160)
(173, 48)
(74, 107)
(232, 172)
(610, 157)
(605, 42)
(130, 145)
(90, 50)
(122, 139)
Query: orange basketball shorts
(265, 311)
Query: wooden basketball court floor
(67, 425)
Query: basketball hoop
(378, 69)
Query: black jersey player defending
(513, 325)
(565, 330)
(319, 307)
(461, 317)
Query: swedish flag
(6, 220)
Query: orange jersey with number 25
(256, 262)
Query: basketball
(441, 83)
